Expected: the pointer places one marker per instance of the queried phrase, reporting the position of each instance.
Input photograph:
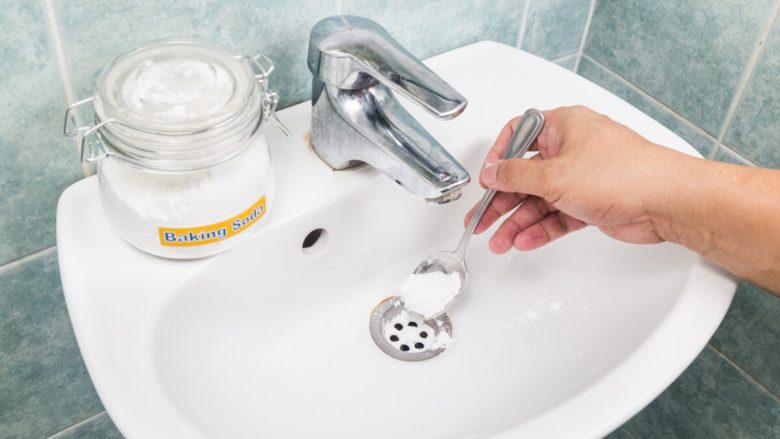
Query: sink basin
(272, 340)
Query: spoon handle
(526, 132)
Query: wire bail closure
(90, 148)
(263, 72)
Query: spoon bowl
(446, 262)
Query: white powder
(138, 202)
(556, 306)
(428, 294)
(531, 315)
(442, 340)
(178, 89)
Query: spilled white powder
(556, 306)
(531, 315)
(442, 340)
(428, 294)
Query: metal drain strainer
(405, 336)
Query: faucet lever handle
(343, 49)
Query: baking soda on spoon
(428, 294)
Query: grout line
(54, 30)
(745, 372)
(76, 425)
(27, 258)
(59, 52)
(644, 94)
(521, 36)
(747, 74)
(732, 151)
(713, 150)
(581, 51)
(561, 58)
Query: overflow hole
(314, 241)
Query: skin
(593, 171)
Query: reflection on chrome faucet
(357, 119)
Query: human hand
(590, 170)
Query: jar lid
(174, 86)
(176, 105)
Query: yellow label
(190, 236)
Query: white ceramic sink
(270, 341)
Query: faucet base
(353, 127)
(350, 164)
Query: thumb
(525, 176)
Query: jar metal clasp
(90, 149)
(262, 66)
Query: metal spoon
(454, 261)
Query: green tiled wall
(44, 387)
(554, 28)
(36, 164)
(50, 54)
(710, 71)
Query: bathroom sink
(271, 339)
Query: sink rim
(600, 408)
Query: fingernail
(489, 173)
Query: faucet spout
(356, 118)
(343, 46)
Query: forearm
(729, 214)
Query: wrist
(672, 198)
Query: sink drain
(406, 336)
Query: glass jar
(183, 167)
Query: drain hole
(404, 337)
(314, 240)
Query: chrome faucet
(357, 119)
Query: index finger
(502, 141)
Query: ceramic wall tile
(618, 86)
(755, 131)
(38, 162)
(44, 386)
(554, 28)
(689, 55)
(434, 26)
